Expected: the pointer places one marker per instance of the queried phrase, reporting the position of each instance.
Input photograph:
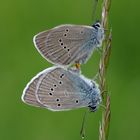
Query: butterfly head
(97, 25)
(96, 98)
(99, 32)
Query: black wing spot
(60, 82)
(68, 50)
(57, 99)
(81, 32)
(65, 47)
(50, 94)
(60, 40)
(62, 44)
(67, 30)
(58, 105)
(65, 35)
(77, 101)
(54, 85)
(62, 75)
(51, 89)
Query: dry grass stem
(106, 47)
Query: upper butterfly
(69, 44)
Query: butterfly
(60, 89)
(69, 44)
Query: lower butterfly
(69, 44)
(59, 89)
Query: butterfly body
(68, 44)
(59, 89)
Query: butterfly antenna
(94, 10)
(82, 131)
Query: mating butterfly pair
(59, 88)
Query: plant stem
(106, 47)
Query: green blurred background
(20, 20)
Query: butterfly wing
(61, 89)
(29, 93)
(65, 44)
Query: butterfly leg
(82, 131)
(100, 50)
(75, 68)
(96, 77)
(104, 92)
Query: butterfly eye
(93, 108)
(97, 25)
